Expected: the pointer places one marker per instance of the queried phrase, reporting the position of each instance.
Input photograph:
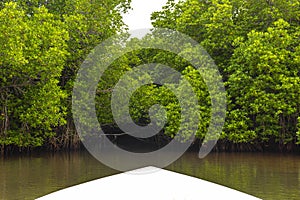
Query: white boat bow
(149, 183)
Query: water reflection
(30, 177)
(268, 176)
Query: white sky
(139, 17)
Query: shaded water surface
(268, 176)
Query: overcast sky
(139, 17)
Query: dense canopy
(255, 44)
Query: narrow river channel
(268, 176)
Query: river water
(268, 176)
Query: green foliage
(259, 63)
(142, 100)
(33, 52)
(298, 132)
(255, 43)
(42, 46)
(263, 85)
(256, 46)
(216, 25)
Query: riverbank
(132, 144)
